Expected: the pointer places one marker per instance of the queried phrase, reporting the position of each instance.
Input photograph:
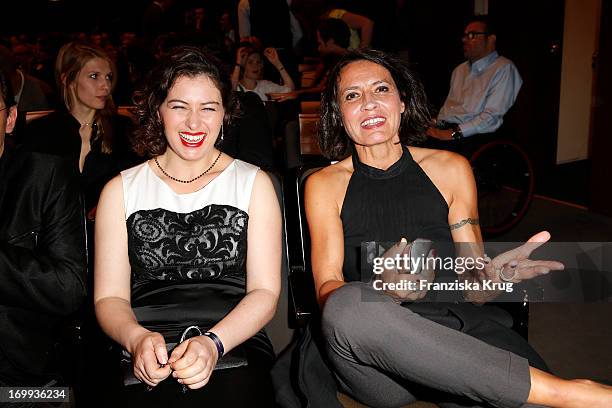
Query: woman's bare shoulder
(332, 174)
(331, 180)
(438, 160)
(450, 172)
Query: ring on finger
(500, 272)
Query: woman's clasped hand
(191, 362)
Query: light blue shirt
(481, 93)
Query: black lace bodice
(205, 244)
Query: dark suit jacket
(42, 260)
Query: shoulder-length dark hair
(333, 139)
(183, 61)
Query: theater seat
(30, 116)
(278, 328)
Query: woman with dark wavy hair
(187, 268)
(385, 348)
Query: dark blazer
(42, 260)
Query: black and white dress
(187, 254)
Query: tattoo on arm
(472, 221)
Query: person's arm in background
(272, 56)
(296, 28)
(361, 23)
(314, 90)
(501, 94)
(241, 55)
(45, 270)
(244, 19)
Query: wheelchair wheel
(505, 182)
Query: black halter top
(387, 205)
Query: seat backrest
(308, 132)
(303, 304)
(278, 328)
(310, 107)
(30, 116)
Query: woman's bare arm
(112, 289)
(263, 268)
(326, 234)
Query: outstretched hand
(515, 266)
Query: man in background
(42, 256)
(482, 89)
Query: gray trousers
(387, 355)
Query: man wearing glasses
(482, 88)
(42, 256)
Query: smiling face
(92, 86)
(369, 103)
(192, 115)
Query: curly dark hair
(182, 61)
(333, 139)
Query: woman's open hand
(515, 266)
(193, 361)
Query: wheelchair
(504, 177)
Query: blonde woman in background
(86, 129)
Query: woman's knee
(347, 312)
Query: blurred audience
(31, 94)
(249, 70)
(333, 37)
(227, 30)
(270, 20)
(361, 27)
(155, 19)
